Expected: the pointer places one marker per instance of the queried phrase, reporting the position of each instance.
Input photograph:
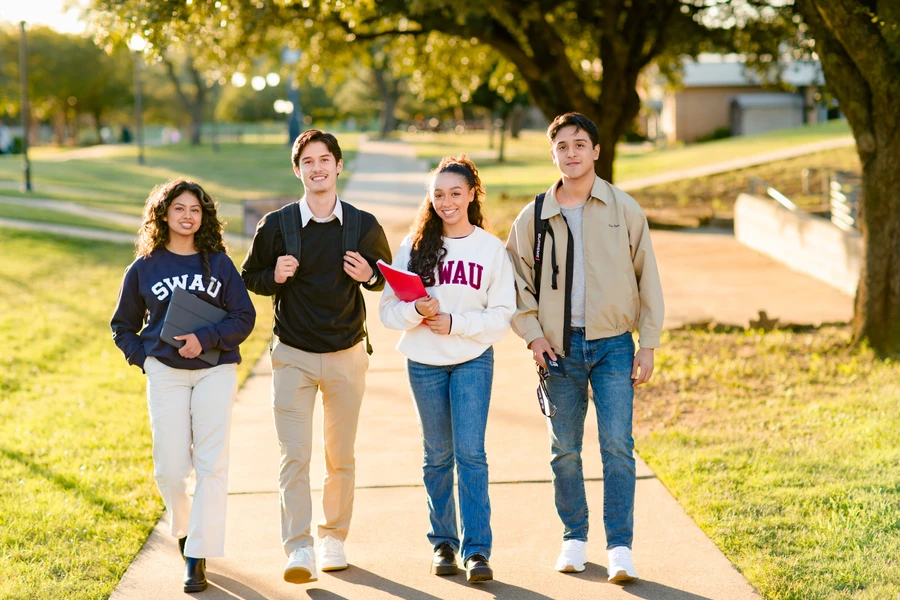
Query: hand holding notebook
(407, 286)
(187, 314)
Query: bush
(719, 133)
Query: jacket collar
(599, 191)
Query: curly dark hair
(154, 231)
(428, 229)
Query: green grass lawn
(236, 172)
(77, 495)
(785, 449)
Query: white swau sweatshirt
(474, 284)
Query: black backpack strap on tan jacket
(541, 229)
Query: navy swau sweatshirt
(146, 290)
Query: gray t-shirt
(574, 219)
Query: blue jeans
(606, 364)
(452, 404)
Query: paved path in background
(387, 547)
(74, 208)
(737, 163)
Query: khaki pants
(190, 419)
(296, 377)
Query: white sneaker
(572, 557)
(621, 568)
(331, 554)
(301, 566)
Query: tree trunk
(516, 121)
(196, 125)
(877, 314)
(98, 125)
(387, 89)
(196, 105)
(862, 67)
(501, 154)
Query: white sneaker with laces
(331, 554)
(301, 566)
(621, 567)
(572, 557)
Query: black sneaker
(478, 569)
(444, 561)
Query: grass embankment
(785, 448)
(695, 201)
(115, 181)
(77, 495)
(529, 170)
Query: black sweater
(146, 290)
(320, 308)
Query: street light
(290, 57)
(23, 75)
(137, 45)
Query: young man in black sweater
(319, 330)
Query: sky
(45, 12)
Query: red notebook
(407, 286)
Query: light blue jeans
(606, 365)
(452, 404)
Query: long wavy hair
(154, 231)
(428, 229)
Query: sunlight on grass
(236, 172)
(783, 447)
(76, 488)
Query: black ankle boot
(194, 574)
(181, 543)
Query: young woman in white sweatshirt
(450, 362)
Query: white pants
(192, 408)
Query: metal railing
(845, 195)
(757, 185)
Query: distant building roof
(736, 74)
(767, 100)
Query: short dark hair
(579, 121)
(314, 135)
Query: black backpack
(541, 228)
(289, 221)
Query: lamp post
(137, 44)
(290, 56)
(23, 75)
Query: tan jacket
(622, 285)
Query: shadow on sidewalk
(358, 576)
(221, 586)
(640, 588)
(502, 590)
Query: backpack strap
(350, 227)
(289, 221)
(350, 243)
(541, 229)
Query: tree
(193, 94)
(858, 43)
(582, 55)
(68, 76)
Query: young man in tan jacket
(582, 290)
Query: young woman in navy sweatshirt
(180, 245)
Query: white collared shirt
(306, 213)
